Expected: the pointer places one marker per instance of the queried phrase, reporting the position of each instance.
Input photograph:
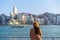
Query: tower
(14, 13)
(11, 15)
(14, 10)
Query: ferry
(15, 24)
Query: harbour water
(48, 31)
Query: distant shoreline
(25, 25)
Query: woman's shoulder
(32, 33)
(32, 29)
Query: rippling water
(47, 31)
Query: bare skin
(33, 36)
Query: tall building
(3, 19)
(14, 10)
(13, 13)
(58, 19)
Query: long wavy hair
(37, 29)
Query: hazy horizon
(30, 6)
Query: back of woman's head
(36, 24)
(36, 27)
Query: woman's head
(36, 27)
(36, 24)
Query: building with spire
(13, 13)
(14, 10)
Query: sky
(30, 6)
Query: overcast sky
(30, 6)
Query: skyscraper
(14, 12)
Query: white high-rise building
(12, 15)
(14, 10)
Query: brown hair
(37, 30)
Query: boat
(14, 23)
(17, 26)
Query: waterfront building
(11, 15)
(55, 20)
(49, 16)
(58, 19)
(19, 17)
(36, 18)
(24, 17)
(32, 18)
(14, 10)
(0, 20)
(14, 13)
(3, 19)
(7, 19)
(41, 20)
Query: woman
(35, 33)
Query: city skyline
(30, 6)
